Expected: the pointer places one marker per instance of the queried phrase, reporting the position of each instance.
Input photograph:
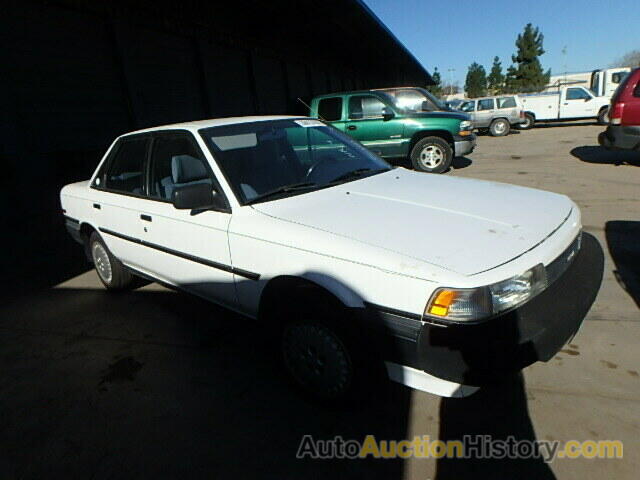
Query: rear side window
(125, 172)
(486, 104)
(330, 109)
(507, 102)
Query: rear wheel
(603, 116)
(499, 127)
(111, 272)
(432, 155)
(528, 123)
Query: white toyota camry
(351, 266)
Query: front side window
(468, 107)
(365, 106)
(485, 104)
(330, 109)
(263, 161)
(176, 161)
(506, 102)
(577, 94)
(126, 171)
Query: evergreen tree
(436, 88)
(476, 82)
(496, 78)
(527, 74)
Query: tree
(630, 59)
(476, 82)
(436, 88)
(527, 75)
(496, 78)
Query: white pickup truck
(350, 267)
(568, 103)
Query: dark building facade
(75, 74)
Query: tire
(431, 155)
(529, 122)
(499, 127)
(603, 117)
(111, 272)
(323, 358)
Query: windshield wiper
(280, 190)
(355, 174)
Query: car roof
(213, 122)
(502, 95)
(355, 92)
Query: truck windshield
(267, 160)
(414, 100)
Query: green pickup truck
(400, 122)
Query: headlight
(466, 125)
(469, 304)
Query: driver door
(189, 250)
(366, 124)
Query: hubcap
(499, 127)
(431, 156)
(317, 359)
(101, 261)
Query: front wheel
(111, 272)
(499, 127)
(603, 117)
(432, 155)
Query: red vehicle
(623, 131)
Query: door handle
(351, 127)
(97, 206)
(146, 218)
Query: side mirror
(195, 197)
(588, 99)
(387, 114)
(425, 106)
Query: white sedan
(352, 267)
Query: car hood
(463, 225)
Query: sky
(452, 35)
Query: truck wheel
(603, 116)
(499, 127)
(111, 272)
(528, 123)
(432, 155)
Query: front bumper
(484, 352)
(620, 137)
(464, 145)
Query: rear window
(507, 102)
(330, 109)
(623, 85)
(636, 91)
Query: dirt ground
(158, 383)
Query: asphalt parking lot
(155, 382)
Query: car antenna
(303, 103)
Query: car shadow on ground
(161, 383)
(623, 240)
(599, 155)
(456, 164)
(564, 124)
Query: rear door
(577, 103)
(366, 124)
(121, 187)
(188, 249)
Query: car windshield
(414, 100)
(267, 160)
